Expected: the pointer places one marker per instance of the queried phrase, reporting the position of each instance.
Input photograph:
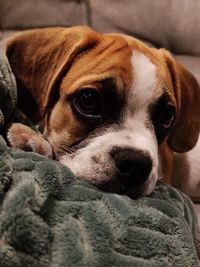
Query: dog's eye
(167, 116)
(163, 115)
(88, 103)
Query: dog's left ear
(40, 58)
(185, 133)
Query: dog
(111, 108)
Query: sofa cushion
(156, 22)
(15, 14)
(174, 25)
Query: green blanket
(49, 218)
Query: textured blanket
(50, 218)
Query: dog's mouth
(115, 185)
(120, 189)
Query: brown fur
(51, 63)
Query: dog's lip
(134, 192)
(116, 187)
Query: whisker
(63, 148)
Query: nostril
(124, 166)
(133, 165)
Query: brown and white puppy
(112, 108)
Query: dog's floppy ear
(39, 58)
(186, 131)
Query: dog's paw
(23, 137)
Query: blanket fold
(9, 112)
(50, 218)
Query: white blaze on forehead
(145, 82)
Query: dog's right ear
(40, 58)
(185, 133)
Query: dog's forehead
(108, 58)
(133, 66)
(150, 75)
(147, 82)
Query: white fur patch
(144, 80)
(144, 91)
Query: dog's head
(107, 102)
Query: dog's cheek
(62, 128)
(55, 122)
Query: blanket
(50, 218)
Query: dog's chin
(115, 186)
(133, 192)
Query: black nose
(134, 166)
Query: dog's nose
(134, 166)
